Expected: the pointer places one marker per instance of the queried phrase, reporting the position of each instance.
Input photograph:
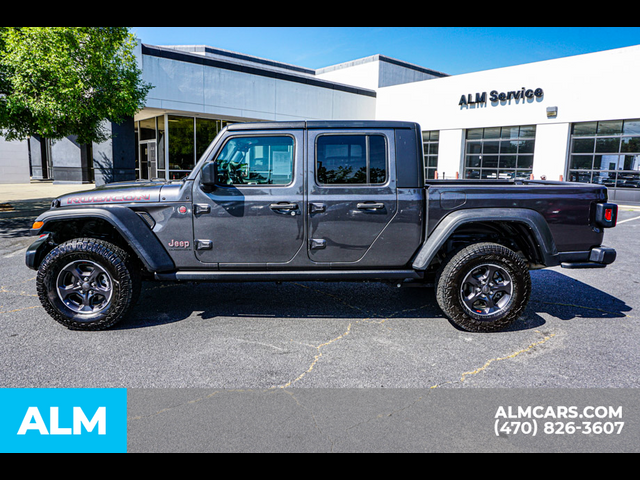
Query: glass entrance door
(148, 160)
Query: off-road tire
(510, 274)
(117, 294)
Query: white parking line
(630, 220)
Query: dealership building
(572, 119)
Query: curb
(629, 208)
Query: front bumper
(600, 257)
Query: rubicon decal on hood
(122, 198)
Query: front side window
(256, 161)
(352, 160)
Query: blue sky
(452, 50)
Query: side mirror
(209, 174)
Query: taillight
(606, 215)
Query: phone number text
(534, 428)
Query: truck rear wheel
(88, 284)
(484, 288)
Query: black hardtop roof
(329, 124)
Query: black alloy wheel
(88, 284)
(484, 288)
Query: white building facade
(572, 119)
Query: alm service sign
(495, 97)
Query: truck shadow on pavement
(168, 303)
(554, 294)
(566, 298)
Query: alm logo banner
(63, 421)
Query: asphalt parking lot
(580, 331)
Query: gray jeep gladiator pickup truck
(317, 201)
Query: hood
(114, 194)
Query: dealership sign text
(495, 96)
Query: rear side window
(351, 160)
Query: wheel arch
(522, 230)
(121, 226)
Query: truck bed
(567, 207)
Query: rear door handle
(370, 206)
(317, 208)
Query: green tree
(61, 81)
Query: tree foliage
(61, 81)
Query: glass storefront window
(148, 129)
(147, 133)
(585, 129)
(610, 128)
(188, 138)
(606, 153)
(500, 153)
(162, 163)
(137, 149)
(181, 146)
(206, 132)
(608, 145)
(632, 127)
(431, 141)
(581, 162)
(584, 145)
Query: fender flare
(127, 223)
(530, 218)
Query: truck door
(352, 194)
(254, 216)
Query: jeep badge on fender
(179, 245)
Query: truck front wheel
(484, 288)
(88, 284)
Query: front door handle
(370, 206)
(284, 206)
(201, 209)
(289, 208)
